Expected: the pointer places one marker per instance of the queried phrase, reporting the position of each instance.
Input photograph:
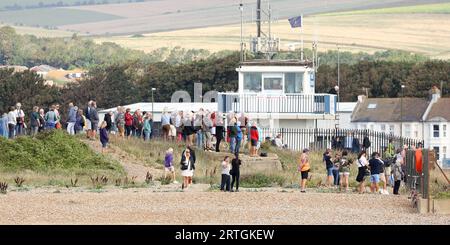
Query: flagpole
(301, 37)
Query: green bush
(261, 180)
(50, 151)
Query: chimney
(361, 98)
(435, 94)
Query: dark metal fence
(350, 139)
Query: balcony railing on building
(285, 103)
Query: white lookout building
(279, 94)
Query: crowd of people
(381, 173)
(205, 130)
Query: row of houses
(53, 76)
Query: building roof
(276, 63)
(390, 109)
(440, 109)
(42, 68)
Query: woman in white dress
(187, 168)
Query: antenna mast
(264, 43)
(241, 8)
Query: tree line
(83, 52)
(131, 82)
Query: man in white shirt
(20, 119)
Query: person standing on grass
(147, 128)
(50, 118)
(138, 123)
(128, 123)
(71, 119)
(304, 168)
(233, 135)
(254, 138)
(226, 166)
(94, 119)
(219, 132)
(344, 170)
(363, 165)
(375, 166)
(328, 165)
(4, 125)
(120, 121)
(80, 122)
(12, 120)
(104, 138)
(397, 172)
(187, 168)
(108, 119)
(87, 114)
(168, 165)
(335, 171)
(235, 172)
(34, 121)
(239, 137)
(41, 120)
(165, 124)
(20, 120)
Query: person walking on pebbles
(304, 168)
(187, 168)
(168, 165)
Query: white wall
(344, 122)
(442, 142)
(410, 129)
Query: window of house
(444, 152)
(273, 83)
(363, 126)
(293, 82)
(416, 134)
(408, 130)
(444, 130)
(436, 151)
(252, 82)
(436, 131)
(383, 127)
(371, 127)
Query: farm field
(157, 16)
(53, 17)
(7, 4)
(419, 32)
(40, 32)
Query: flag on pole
(296, 21)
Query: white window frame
(273, 75)
(444, 130)
(408, 130)
(433, 130)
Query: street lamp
(401, 113)
(153, 101)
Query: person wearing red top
(418, 156)
(128, 122)
(254, 137)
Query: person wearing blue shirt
(4, 126)
(238, 137)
